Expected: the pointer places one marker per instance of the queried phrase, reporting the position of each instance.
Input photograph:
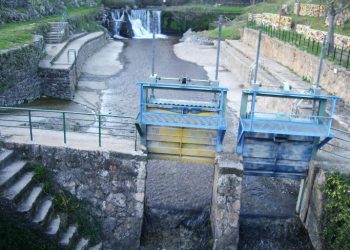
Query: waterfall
(118, 19)
(143, 25)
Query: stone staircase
(58, 33)
(26, 196)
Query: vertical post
(135, 139)
(321, 62)
(347, 61)
(218, 48)
(252, 110)
(30, 124)
(319, 72)
(99, 130)
(257, 58)
(64, 127)
(341, 54)
(153, 47)
(334, 101)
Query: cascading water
(144, 22)
(118, 19)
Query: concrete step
(43, 210)
(82, 244)
(28, 203)
(11, 171)
(19, 186)
(68, 235)
(54, 225)
(6, 157)
(54, 35)
(96, 247)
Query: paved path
(74, 140)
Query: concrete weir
(167, 204)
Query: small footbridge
(182, 121)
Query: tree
(335, 10)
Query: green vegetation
(205, 8)
(17, 34)
(117, 4)
(228, 32)
(16, 236)
(336, 219)
(64, 202)
(198, 17)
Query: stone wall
(334, 79)
(340, 41)
(310, 9)
(274, 20)
(113, 184)
(19, 81)
(60, 81)
(318, 11)
(226, 202)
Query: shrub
(336, 217)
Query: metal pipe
(257, 58)
(153, 47)
(64, 128)
(99, 130)
(321, 62)
(30, 124)
(218, 48)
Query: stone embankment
(35, 70)
(303, 63)
(111, 183)
(312, 200)
(61, 73)
(19, 81)
(226, 202)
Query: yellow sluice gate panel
(183, 135)
(181, 144)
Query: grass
(20, 33)
(226, 9)
(228, 32)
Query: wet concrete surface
(122, 94)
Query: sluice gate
(282, 143)
(182, 129)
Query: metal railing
(340, 56)
(340, 144)
(69, 121)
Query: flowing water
(143, 22)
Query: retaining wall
(60, 81)
(312, 200)
(334, 78)
(226, 202)
(19, 81)
(274, 20)
(113, 184)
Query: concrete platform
(74, 140)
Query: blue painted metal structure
(209, 115)
(282, 144)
